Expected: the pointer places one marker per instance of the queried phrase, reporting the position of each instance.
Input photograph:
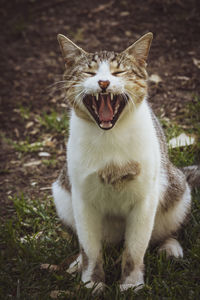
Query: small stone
(196, 62)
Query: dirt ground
(31, 62)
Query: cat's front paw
(98, 287)
(125, 286)
(93, 276)
(132, 273)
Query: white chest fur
(91, 149)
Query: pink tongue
(105, 109)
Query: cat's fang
(116, 109)
(111, 96)
(95, 109)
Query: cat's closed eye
(90, 73)
(118, 73)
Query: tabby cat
(118, 183)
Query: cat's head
(104, 86)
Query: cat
(118, 183)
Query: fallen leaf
(196, 62)
(29, 124)
(47, 141)
(36, 144)
(49, 267)
(185, 78)
(124, 13)
(102, 7)
(33, 163)
(44, 154)
(35, 131)
(14, 162)
(45, 188)
(181, 141)
(16, 132)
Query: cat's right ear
(70, 51)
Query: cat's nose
(103, 84)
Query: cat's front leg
(89, 230)
(137, 236)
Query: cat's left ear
(140, 49)
(70, 51)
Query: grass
(23, 146)
(27, 147)
(32, 235)
(54, 122)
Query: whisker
(78, 99)
(57, 82)
(129, 93)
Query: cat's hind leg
(171, 214)
(62, 198)
(172, 248)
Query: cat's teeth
(105, 124)
(116, 109)
(95, 109)
(111, 96)
(97, 96)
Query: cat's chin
(105, 108)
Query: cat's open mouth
(105, 108)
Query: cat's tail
(192, 174)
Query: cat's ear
(140, 49)
(70, 51)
